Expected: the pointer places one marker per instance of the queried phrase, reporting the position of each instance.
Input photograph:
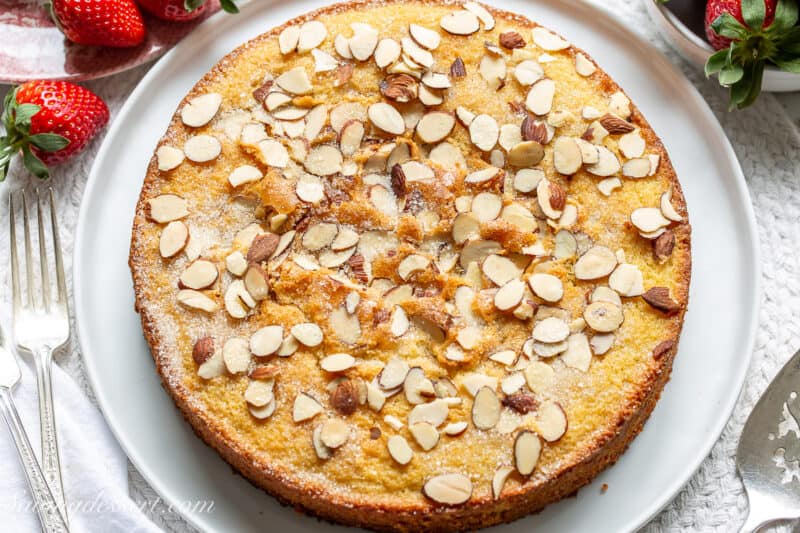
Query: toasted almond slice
(383, 200)
(202, 148)
(551, 421)
(411, 264)
(448, 489)
(482, 13)
(460, 23)
(509, 295)
(648, 219)
(308, 334)
(323, 61)
(569, 216)
(539, 377)
(486, 206)
(551, 330)
(342, 46)
(399, 449)
(315, 121)
(605, 294)
(486, 409)
(434, 413)
(393, 374)
(288, 39)
(393, 422)
(527, 179)
(500, 270)
(609, 185)
(545, 350)
(201, 109)
(473, 382)
(483, 175)
(567, 156)
(256, 282)
(262, 413)
(619, 104)
(244, 174)
(589, 152)
(512, 383)
(318, 236)
(424, 37)
(399, 323)
(168, 157)
(436, 80)
(305, 408)
(636, 168)
(350, 137)
(465, 227)
(346, 238)
(469, 337)
(528, 72)
(550, 197)
(338, 362)
(236, 263)
(322, 451)
(548, 40)
(526, 154)
(363, 45)
(435, 126)
(266, 341)
(632, 145)
(596, 263)
(387, 118)
(166, 208)
(276, 99)
(416, 53)
(510, 136)
(310, 188)
(583, 65)
(324, 160)
(417, 387)
(546, 286)
(213, 365)
(601, 343)
(425, 434)
(603, 317)
(627, 280)
(387, 52)
(294, 81)
(288, 347)
(174, 238)
(335, 433)
(448, 156)
(492, 68)
(196, 300)
(499, 480)
(527, 448)
(199, 275)
(430, 97)
(484, 132)
(236, 355)
(578, 354)
(306, 262)
(312, 34)
(455, 429)
(476, 251)
(666, 206)
(607, 163)
(540, 97)
(259, 393)
(504, 357)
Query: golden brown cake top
(411, 251)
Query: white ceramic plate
(714, 351)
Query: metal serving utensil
(768, 457)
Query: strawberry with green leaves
(115, 23)
(750, 34)
(182, 10)
(48, 122)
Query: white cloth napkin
(94, 468)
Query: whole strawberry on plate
(182, 10)
(48, 121)
(749, 35)
(115, 23)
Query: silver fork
(41, 326)
(44, 503)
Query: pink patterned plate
(33, 48)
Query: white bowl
(696, 50)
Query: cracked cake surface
(412, 264)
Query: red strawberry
(116, 23)
(173, 10)
(48, 121)
(715, 8)
(183, 10)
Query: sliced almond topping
(288, 39)
(417, 386)
(412, 264)
(435, 126)
(294, 81)
(528, 72)
(604, 294)
(174, 238)
(197, 300)
(202, 148)
(547, 287)
(527, 448)
(394, 422)
(346, 238)
(578, 354)
(551, 330)
(666, 207)
(424, 37)
(338, 362)
(460, 23)
(607, 163)
(619, 104)
(308, 334)
(259, 393)
(483, 175)
(448, 156)
(322, 451)
(425, 434)
(509, 295)
(399, 449)
(526, 154)
(583, 65)
(323, 61)
(499, 480)
(393, 374)
(486, 206)
(212, 367)
(288, 347)
(319, 236)
(262, 246)
(596, 263)
(504, 357)
(632, 146)
(482, 13)
(375, 397)
(310, 189)
(510, 136)
(312, 34)
(199, 275)
(551, 421)
(256, 282)
(660, 298)
(609, 185)
(551, 198)
(500, 270)
(476, 251)
(486, 409)
(335, 433)
(511, 40)
(387, 52)
(387, 118)
(203, 350)
(455, 428)
(434, 413)
(200, 110)
(652, 235)
(469, 337)
(324, 160)
(448, 489)
(627, 280)
(399, 87)
(465, 227)
(589, 152)
(266, 341)
(601, 343)
(484, 132)
(539, 376)
(548, 40)
(527, 179)
(603, 317)
(512, 383)
(276, 99)
(654, 160)
(399, 323)
(567, 156)
(363, 45)
(540, 96)
(315, 121)
(492, 68)
(244, 174)
(236, 355)
(305, 408)
(168, 158)
(648, 219)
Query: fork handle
(51, 463)
(45, 504)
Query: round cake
(412, 265)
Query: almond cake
(412, 265)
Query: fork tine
(46, 288)
(14, 259)
(62, 284)
(28, 253)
